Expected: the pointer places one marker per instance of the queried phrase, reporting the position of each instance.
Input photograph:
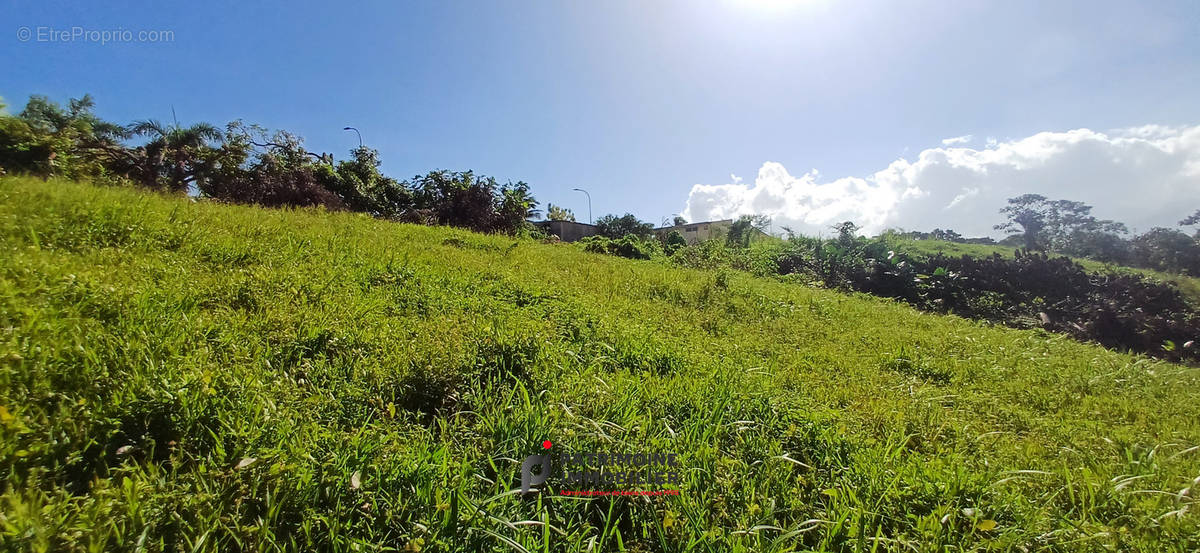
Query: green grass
(186, 376)
(1190, 286)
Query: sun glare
(774, 5)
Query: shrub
(673, 242)
(274, 185)
(248, 164)
(628, 246)
(1119, 311)
(709, 254)
(1166, 250)
(611, 226)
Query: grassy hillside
(189, 376)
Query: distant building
(695, 233)
(567, 231)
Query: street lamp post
(589, 197)
(355, 132)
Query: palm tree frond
(147, 127)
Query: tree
(1012, 241)
(254, 166)
(364, 187)
(679, 221)
(674, 241)
(459, 199)
(24, 150)
(1028, 213)
(248, 164)
(558, 213)
(172, 159)
(464, 199)
(847, 232)
(516, 207)
(945, 235)
(45, 139)
(47, 116)
(1073, 230)
(618, 227)
(1166, 250)
(744, 228)
(1101, 246)
(1054, 224)
(1192, 220)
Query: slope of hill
(1190, 286)
(179, 375)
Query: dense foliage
(1037, 223)
(1120, 311)
(947, 235)
(45, 139)
(1058, 225)
(617, 227)
(673, 242)
(1123, 311)
(744, 228)
(628, 246)
(248, 164)
(559, 213)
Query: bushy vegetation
(745, 228)
(248, 164)
(618, 227)
(673, 242)
(947, 235)
(559, 213)
(1121, 310)
(1037, 223)
(628, 246)
(189, 376)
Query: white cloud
(957, 140)
(736, 179)
(1146, 176)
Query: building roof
(721, 221)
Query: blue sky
(640, 101)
